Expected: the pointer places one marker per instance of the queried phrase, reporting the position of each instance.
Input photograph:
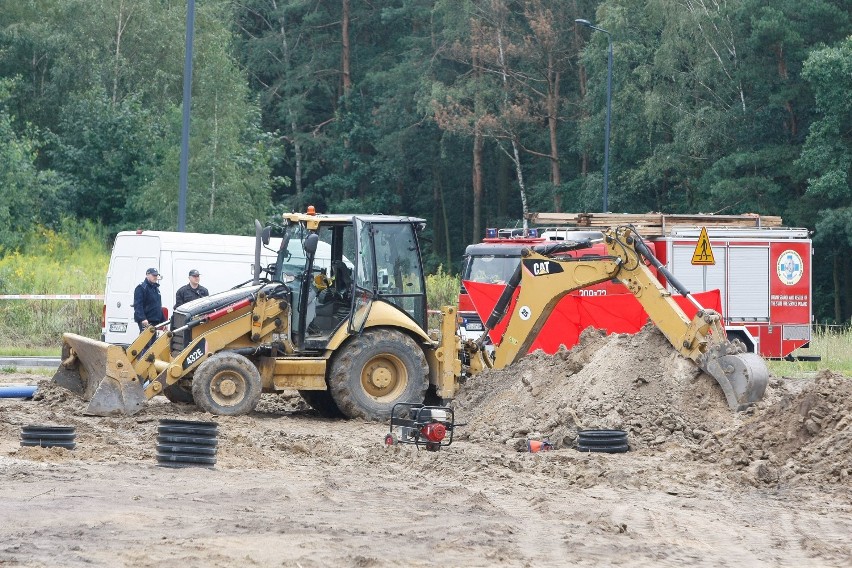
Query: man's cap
(194, 272)
(153, 271)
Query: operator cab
(336, 266)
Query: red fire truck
(751, 269)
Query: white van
(223, 260)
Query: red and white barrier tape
(51, 296)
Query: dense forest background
(465, 112)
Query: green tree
(107, 150)
(104, 83)
(124, 48)
(229, 178)
(827, 157)
(290, 50)
(28, 196)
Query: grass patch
(833, 344)
(73, 260)
(34, 327)
(442, 289)
(38, 351)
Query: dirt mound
(51, 395)
(636, 383)
(800, 432)
(806, 436)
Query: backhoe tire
(227, 384)
(322, 402)
(376, 370)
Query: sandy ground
(700, 486)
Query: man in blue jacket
(147, 304)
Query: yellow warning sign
(703, 254)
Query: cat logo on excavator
(542, 267)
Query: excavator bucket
(100, 373)
(742, 376)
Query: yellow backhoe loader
(341, 317)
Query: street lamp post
(187, 96)
(589, 24)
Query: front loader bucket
(102, 374)
(742, 376)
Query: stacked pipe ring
(184, 443)
(49, 436)
(608, 441)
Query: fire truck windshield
(491, 269)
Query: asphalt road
(28, 362)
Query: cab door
(399, 270)
(363, 277)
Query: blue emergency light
(490, 233)
(533, 232)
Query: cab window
(399, 274)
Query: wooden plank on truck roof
(651, 224)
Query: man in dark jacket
(147, 305)
(191, 291)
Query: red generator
(752, 270)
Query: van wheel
(376, 370)
(322, 402)
(180, 392)
(227, 384)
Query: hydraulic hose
(646, 253)
(556, 247)
(499, 310)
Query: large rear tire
(376, 370)
(227, 384)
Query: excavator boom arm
(544, 280)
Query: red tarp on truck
(615, 313)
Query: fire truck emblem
(790, 267)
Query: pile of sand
(800, 431)
(636, 383)
(805, 436)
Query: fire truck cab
(494, 260)
(761, 270)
